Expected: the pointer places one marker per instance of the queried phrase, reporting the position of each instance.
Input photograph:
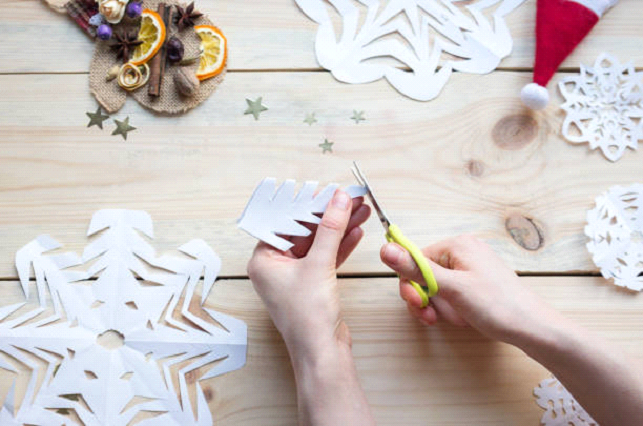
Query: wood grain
(441, 169)
(411, 374)
(274, 34)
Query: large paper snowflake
(615, 231)
(99, 382)
(561, 407)
(604, 106)
(427, 40)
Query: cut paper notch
(438, 37)
(273, 211)
(107, 378)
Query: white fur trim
(534, 96)
(597, 6)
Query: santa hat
(560, 26)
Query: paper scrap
(615, 231)
(98, 382)
(561, 409)
(604, 106)
(431, 37)
(275, 212)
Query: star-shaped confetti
(96, 118)
(326, 146)
(255, 108)
(122, 127)
(358, 116)
(310, 119)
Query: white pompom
(534, 96)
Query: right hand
(475, 288)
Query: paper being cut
(604, 106)
(431, 37)
(615, 231)
(272, 212)
(561, 407)
(96, 382)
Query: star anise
(186, 17)
(124, 43)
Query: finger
(446, 311)
(350, 241)
(409, 294)
(400, 260)
(331, 229)
(456, 253)
(360, 213)
(426, 316)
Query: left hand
(299, 286)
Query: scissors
(394, 235)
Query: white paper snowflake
(561, 407)
(604, 106)
(615, 230)
(98, 382)
(432, 38)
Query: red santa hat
(560, 26)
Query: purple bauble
(134, 9)
(104, 32)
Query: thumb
(400, 260)
(330, 231)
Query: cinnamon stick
(157, 63)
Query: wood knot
(208, 394)
(525, 232)
(475, 168)
(515, 131)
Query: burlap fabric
(112, 97)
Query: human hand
(475, 288)
(299, 286)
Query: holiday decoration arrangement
(98, 382)
(165, 54)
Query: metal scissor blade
(361, 179)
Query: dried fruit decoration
(124, 43)
(186, 17)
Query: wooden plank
(274, 34)
(438, 167)
(411, 374)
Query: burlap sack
(112, 97)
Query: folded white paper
(99, 382)
(272, 212)
(432, 38)
(615, 231)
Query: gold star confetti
(326, 146)
(310, 119)
(255, 108)
(122, 127)
(358, 116)
(96, 118)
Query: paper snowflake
(604, 106)
(151, 313)
(561, 407)
(431, 38)
(615, 230)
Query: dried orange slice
(214, 51)
(152, 34)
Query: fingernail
(341, 200)
(393, 253)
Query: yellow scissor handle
(395, 235)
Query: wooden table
(463, 163)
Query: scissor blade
(361, 179)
